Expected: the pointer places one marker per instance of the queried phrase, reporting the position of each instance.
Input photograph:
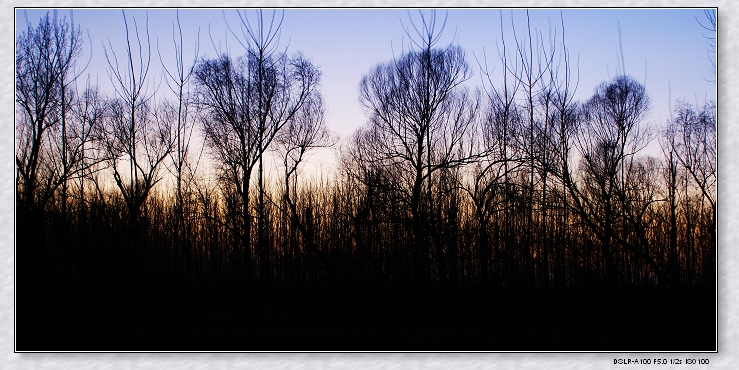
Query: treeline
(515, 184)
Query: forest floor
(371, 319)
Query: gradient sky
(661, 47)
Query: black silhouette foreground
(409, 318)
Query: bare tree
(249, 101)
(693, 142)
(709, 25)
(695, 145)
(137, 140)
(48, 151)
(672, 177)
(490, 185)
(564, 127)
(534, 60)
(183, 170)
(421, 119)
(610, 137)
(304, 132)
(555, 122)
(89, 114)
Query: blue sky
(667, 44)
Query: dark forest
(507, 217)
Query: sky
(664, 49)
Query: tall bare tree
(610, 137)
(89, 115)
(305, 131)
(182, 117)
(137, 140)
(224, 95)
(692, 142)
(249, 101)
(48, 151)
(421, 119)
(695, 146)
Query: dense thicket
(520, 186)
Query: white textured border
(728, 226)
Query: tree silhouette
(610, 138)
(709, 24)
(420, 120)
(305, 131)
(691, 141)
(136, 136)
(49, 152)
(249, 101)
